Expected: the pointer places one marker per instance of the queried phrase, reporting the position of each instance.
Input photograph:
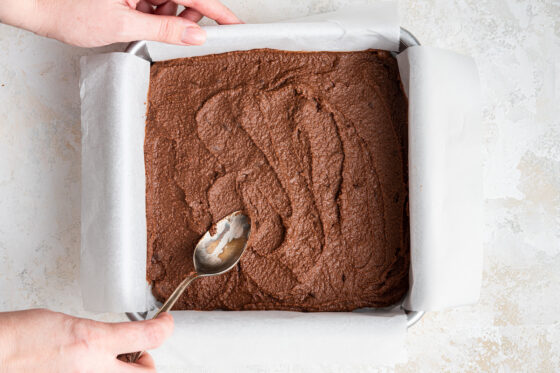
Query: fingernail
(193, 36)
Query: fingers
(159, 2)
(212, 9)
(146, 360)
(167, 29)
(132, 3)
(168, 8)
(160, 23)
(162, 7)
(191, 14)
(139, 335)
(144, 7)
(122, 367)
(145, 364)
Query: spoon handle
(174, 297)
(168, 305)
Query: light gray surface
(514, 327)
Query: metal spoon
(213, 255)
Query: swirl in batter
(312, 146)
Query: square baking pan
(407, 39)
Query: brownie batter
(312, 146)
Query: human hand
(93, 23)
(45, 341)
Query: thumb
(166, 29)
(125, 337)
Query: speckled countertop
(514, 327)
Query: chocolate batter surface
(312, 146)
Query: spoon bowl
(219, 252)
